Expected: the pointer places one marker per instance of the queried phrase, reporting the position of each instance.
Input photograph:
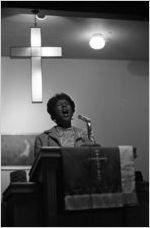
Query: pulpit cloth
(96, 177)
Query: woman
(61, 109)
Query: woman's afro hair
(52, 102)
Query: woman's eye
(61, 105)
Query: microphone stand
(89, 131)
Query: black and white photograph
(74, 113)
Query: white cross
(36, 52)
(98, 165)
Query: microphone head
(84, 118)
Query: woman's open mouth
(66, 113)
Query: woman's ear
(72, 116)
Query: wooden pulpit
(86, 186)
(57, 175)
(47, 170)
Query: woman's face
(63, 113)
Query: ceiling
(125, 26)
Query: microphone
(89, 126)
(89, 129)
(84, 118)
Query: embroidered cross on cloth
(96, 177)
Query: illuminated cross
(98, 160)
(36, 52)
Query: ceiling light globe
(97, 42)
(41, 16)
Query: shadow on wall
(137, 69)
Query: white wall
(114, 94)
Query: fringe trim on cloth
(95, 201)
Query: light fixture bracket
(35, 11)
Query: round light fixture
(97, 41)
(40, 16)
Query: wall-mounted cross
(98, 161)
(36, 52)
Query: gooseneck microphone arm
(89, 127)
